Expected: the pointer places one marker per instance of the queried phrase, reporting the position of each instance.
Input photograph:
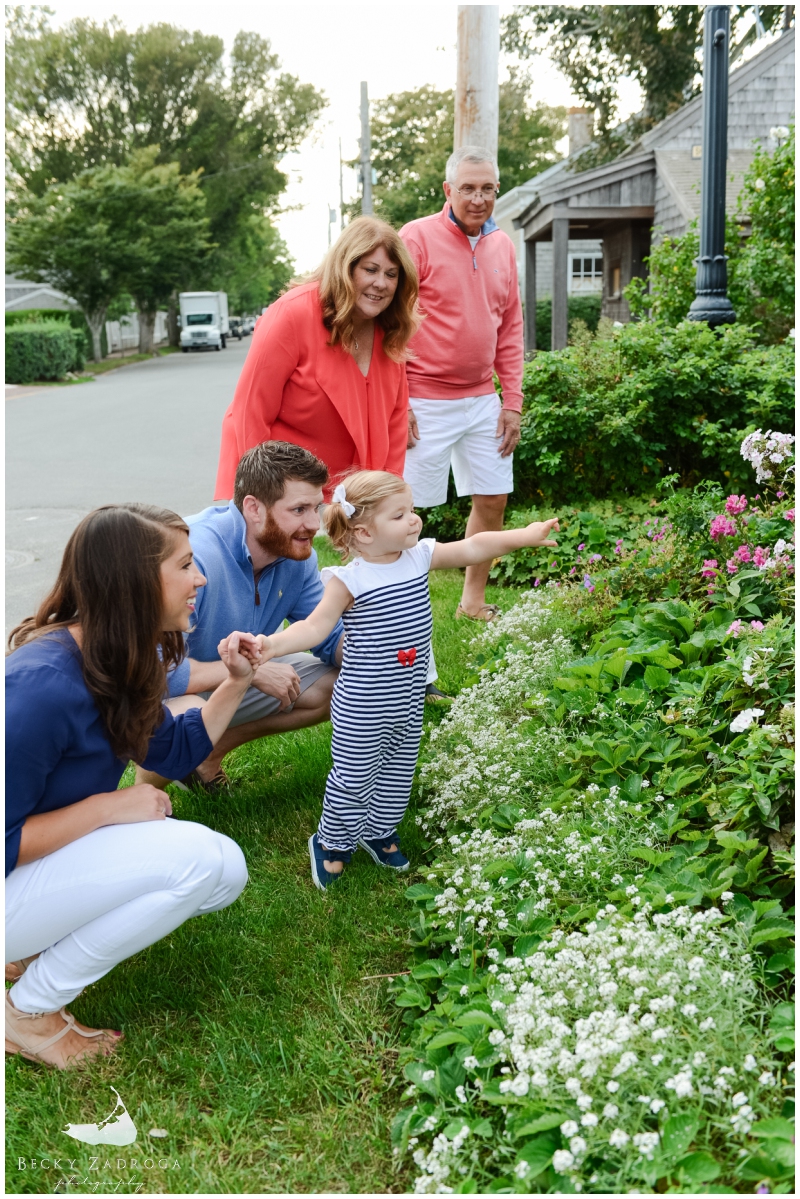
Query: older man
(472, 330)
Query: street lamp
(711, 303)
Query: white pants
(461, 434)
(94, 903)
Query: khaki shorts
(256, 705)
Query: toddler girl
(378, 699)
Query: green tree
(259, 266)
(596, 45)
(90, 94)
(138, 229)
(412, 138)
(759, 243)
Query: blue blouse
(57, 750)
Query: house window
(616, 279)
(587, 274)
(587, 268)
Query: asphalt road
(148, 432)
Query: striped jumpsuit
(379, 696)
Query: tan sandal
(15, 970)
(22, 1037)
(486, 613)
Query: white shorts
(458, 434)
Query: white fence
(124, 334)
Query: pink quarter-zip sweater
(473, 316)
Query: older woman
(326, 367)
(94, 874)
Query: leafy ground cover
(599, 994)
(261, 1038)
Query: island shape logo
(116, 1129)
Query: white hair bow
(340, 497)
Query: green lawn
(253, 1035)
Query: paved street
(146, 432)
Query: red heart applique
(406, 657)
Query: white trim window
(587, 274)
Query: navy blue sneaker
(379, 850)
(322, 877)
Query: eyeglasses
(488, 192)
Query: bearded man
(258, 557)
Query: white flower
(767, 1079)
(750, 1064)
(644, 1099)
(759, 185)
(743, 721)
(657, 1059)
(739, 1099)
(569, 1128)
(646, 1143)
(577, 1146)
(618, 1139)
(562, 1161)
(681, 1083)
(496, 1036)
(726, 896)
(521, 1169)
(589, 1120)
(612, 1086)
(656, 1106)
(584, 1102)
(690, 1009)
(610, 1111)
(709, 1022)
(428, 1075)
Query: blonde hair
(366, 490)
(337, 292)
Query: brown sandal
(486, 613)
(18, 1039)
(15, 970)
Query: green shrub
(611, 416)
(41, 350)
(580, 308)
(73, 316)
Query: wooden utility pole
(341, 190)
(366, 155)
(477, 85)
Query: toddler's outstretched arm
(305, 634)
(482, 547)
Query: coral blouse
(295, 387)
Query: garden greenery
(598, 999)
(42, 350)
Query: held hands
(241, 654)
(134, 805)
(537, 532)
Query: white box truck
(204, 320)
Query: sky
(334, 46)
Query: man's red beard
(273, 540)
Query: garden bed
(599, 992)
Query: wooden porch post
(530, 295)
(560, 255)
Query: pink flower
(735, 504)
(553, 564)
(742, 554)
(709, 590)
(780, 494)
(760, 556)
(536, 582)
(722, 526)
(732, 566)
(582, 545)
(709, 568)
(596, 558)
(789, 515)
(572, 571)
(735, 629)
(757, 625)
(588, 584)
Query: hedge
(42, 350)
(73, 315)
(613, 415)
(581, 308)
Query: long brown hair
(110, 583)
(401, 319)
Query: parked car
(237, 327)
(248, 325)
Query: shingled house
(652, 189)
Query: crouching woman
(94, 874)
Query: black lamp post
(711, 303)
